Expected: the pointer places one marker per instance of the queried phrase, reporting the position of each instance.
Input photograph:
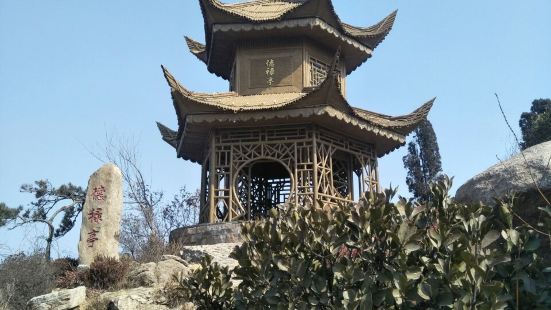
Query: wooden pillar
(350, 175)
(202, 196)
(366, 171)
(294, 189)
(361, 191)
(229, 191)
(331, 152)
(376, 175)
(249, 186)
(315, 168)
(213, 180)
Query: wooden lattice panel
(318, 71)
(299, 164)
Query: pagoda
(284, 132)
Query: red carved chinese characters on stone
(92, 237)
(95, 215)
(98, 193)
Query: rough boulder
(515, 175)
(59, 300)
(158, 274)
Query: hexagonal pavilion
(285, 131)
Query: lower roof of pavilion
(199, 113)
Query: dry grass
(155, 250)
(94, 301)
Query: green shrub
(106, 273)
(380, 255)
(209, 287)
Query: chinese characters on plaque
(270, 71)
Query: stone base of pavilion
(206, 234)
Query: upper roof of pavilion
(316, 19)
(322, 104)
(199, 113)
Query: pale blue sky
(70, 71)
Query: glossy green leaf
(411, 247)
(489, 238)
(423, 290)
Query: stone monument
(101, 216)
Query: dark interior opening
(261, 186)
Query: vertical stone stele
(101, 215)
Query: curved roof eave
(197, 49)
(403, 124)
(328, 90)
(391, 140)
(169, 136)
(372, 36)
(259, 11)
(188, 103)
(200, 50)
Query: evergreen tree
(7, 214)
(55, 207)
(536, 124)
(422, 161)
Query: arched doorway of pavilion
(262, 185)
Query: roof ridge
(173, 83)
(427, 104)
(331, 81)
(232, 8)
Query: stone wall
(205, 234)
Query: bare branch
(529, 225)
(530, 172)
(148, 217)
(24, 221)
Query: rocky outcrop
(220, 253)
(140, 298)
(154, 274)
(515, 175)
(152, 278)
(148, 281)
(59, 300)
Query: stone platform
(206, 234)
